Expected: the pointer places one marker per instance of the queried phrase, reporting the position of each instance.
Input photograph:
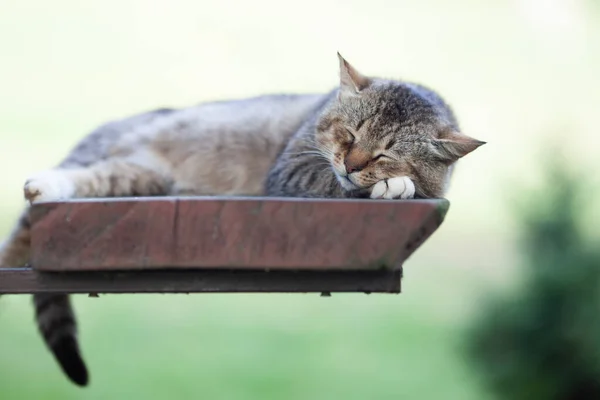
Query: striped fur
(368, 138)
(57, 325)
(53, 312)
(372, 131)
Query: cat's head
(378, 129)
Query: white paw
(401, 187)
(49, 185)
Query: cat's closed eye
(382, 157)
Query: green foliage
(543, 342)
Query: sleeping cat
(368, 138)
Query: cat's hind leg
(140, 174)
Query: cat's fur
(369, 138)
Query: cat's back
(269, 114)
(223, 147)
(228, 147)
(270, 117)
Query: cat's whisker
(304, 152)
(318, 154)
(324, 169)
(325, 152)
(315, 145)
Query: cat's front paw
(401, 187)
(48, 185)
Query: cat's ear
(352, 82)
(452, 145)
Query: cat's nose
(350, 170)
(356, 160)
(352, 167)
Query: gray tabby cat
(368, 138)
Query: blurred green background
(520, 75)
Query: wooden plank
(27, 280)
(230, 233)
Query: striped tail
(57, 324)
(54, 314)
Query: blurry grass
(240, 347)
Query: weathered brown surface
(26, 280)
(232, 233)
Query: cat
(367, 138)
